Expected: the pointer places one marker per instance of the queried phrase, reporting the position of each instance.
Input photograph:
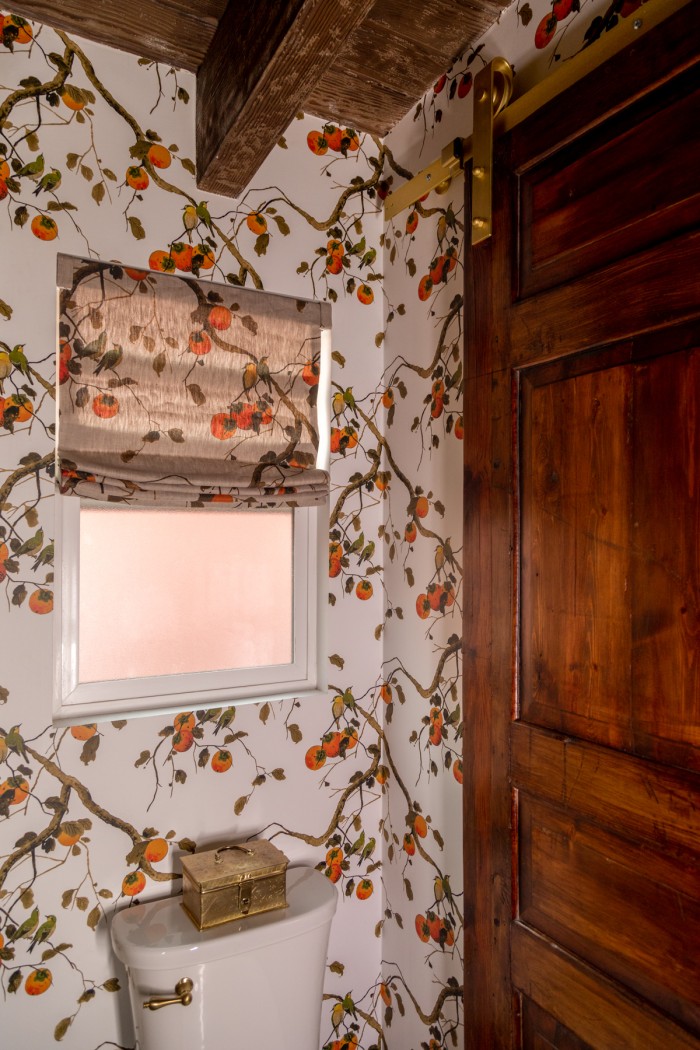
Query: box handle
(243, 849)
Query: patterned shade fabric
(178, 392)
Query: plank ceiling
(361, 63)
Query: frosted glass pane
(170, 592)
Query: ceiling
(361, 63)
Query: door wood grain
(582, 569)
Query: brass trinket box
(245, 878)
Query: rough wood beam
(370, 85)
(164, 32)
(261, 67)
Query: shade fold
(176, 391)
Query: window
(192, 466)
(174, 609)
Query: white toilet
(255, 982)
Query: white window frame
(78, 702)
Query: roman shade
(174, 391)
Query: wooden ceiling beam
(163, 31)
(262, 66)
(371, 85)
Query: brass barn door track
(495, 114)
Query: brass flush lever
(183, 996)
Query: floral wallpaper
(96, 160)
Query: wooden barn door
(582, 568)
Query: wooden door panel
(665, 569)
(541, 1031)
(600, 1012)
(576, 494)
(609, 194)
(623, 908)
(488, 599)
(647, 802)
(655, 61)
(610, 550)
(644, 292)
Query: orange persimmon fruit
(68, 100)
(159, 156)
(220, 318)
(137, 177)
(422, 928)
(19, 788)
(41, 601)
(24, 29)
(200, 343)
(83, 732)
(315, 757)
(223, 425)
(162, 261)
(364, 590)
(155, 850)
(23, 406)
(38, 981)
(364, 889)
(317, 143)
(425, 287)
(420, 826)
(44, 227)
(105, 406)
(133, 883)
(182, 255)
(185, 720)
(182, 740)
(203, 257)
(221, 761)
(311, 372)
(256, 222)
(69, 833)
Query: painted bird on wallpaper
(44, 932)
(26, 928)
(5, 367)
(45, 557)
(48, 182)
(189, 217)
(15, 742)
(9, 359)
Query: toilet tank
(256, 982)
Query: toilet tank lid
(159, 935)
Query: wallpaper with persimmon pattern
(96, 160)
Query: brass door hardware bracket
(455, 155)
(493, 87)
(434, 177)
(183, 996)
(494, 81)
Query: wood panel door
(582, 568)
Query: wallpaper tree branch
(96, 160)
